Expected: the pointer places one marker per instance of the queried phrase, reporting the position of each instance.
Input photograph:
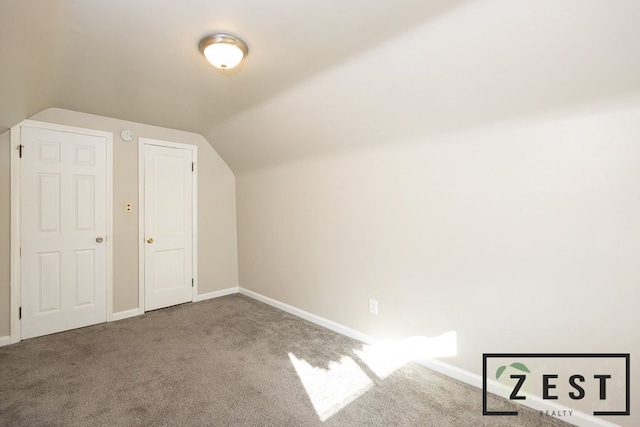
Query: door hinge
(193, 166)
(20, 147)
(19, 312)
(192, 283)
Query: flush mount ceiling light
(223, 51)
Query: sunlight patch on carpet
(385, 357)
(333, 388)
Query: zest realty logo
(593, 386)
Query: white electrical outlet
(373, 306)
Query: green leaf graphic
(520, 367)
(500, 371)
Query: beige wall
(520, 238)
(217, 252)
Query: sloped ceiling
(320, 75)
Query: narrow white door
(63, 231)
(168, 225)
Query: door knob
(150, 240)
(99, 239)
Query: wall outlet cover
(373, 306)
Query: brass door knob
(150, 240)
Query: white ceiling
(320, 75)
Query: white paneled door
(63, 230)
(168, 226)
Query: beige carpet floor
(224, 362)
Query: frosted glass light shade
(223, 51)
(223, 55)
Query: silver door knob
(99, 239)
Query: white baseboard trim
(5, 340)
(137, 311)
(218, 294)
(336, 327)
(534, 402)
(456, 373)
(126, 314)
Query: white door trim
(141, 214)
(16, 193)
